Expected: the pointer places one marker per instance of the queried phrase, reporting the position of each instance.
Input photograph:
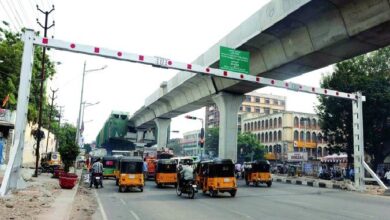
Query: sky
(175, 29)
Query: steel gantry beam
(12, 172)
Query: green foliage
(174, 145)
(212, 140)
(11, 50)
(68, 148)
(248, 147)
(369, 74)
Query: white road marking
(123, 202)
(134, 215)
(104, 215)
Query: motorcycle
(189, 188)
(97, 179)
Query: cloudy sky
(179, 30)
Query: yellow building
(287, 132)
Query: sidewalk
(62, 206)
(330, 184)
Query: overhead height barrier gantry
(12, 175)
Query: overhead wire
(27, 16)
(16, 15)
(11, 21)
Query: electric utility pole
(59, 129)
(39, 136)
(51, 111)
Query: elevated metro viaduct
(285, 38)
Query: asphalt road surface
(281, 201)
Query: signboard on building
(234, 60)
(297, 156)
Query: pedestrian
(352, 174)
(387, 177)
(145, 169)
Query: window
(282, 102)
(258, 125)
(257, 99)
(266, 101)
(270, 136)
(314, 137)
(270, 123)
(296, 122)
(241, 108)
(280, 122)
(255, 125)
(266, 124)
(314, 121)
(275, 136)
(296, 134)
(245, 128)
(258, 136)
(251, 126)
(275, 102)
(279, 135)
(266, 137)
(262, 137)
(257, 110)
(302, 137)
(266, 110)
(275, 122)
(248, 98)
(248, 109)
(262, 124)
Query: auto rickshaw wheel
(141, 188)
(121, 188)
(233, 193)
(256, 184)
(213, 193)
(117, 182)
(175, 185)
(269, 184)
(246, 182)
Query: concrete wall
(30, 142)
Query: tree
(248, 145)
(68, 148)
(212, 141)
(11, 50)
(369, 74)
(174, 145)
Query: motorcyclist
(97, 170)
(186, 173)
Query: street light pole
(81, 100)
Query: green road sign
(234, 60)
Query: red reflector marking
(258, 79)
(337, 93)
(119, 54)
(208, 70)
(286, 84)
(326, 91)
(169, 62)
(45, 40)
(96, 50)
(189, 66)
(272, 82)
(225, 73)
(313, 89)
(242, 76)
(141, 58)
(72, 45)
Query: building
(254, 102)
(287, 132)
(190, 143)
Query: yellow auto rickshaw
(257, 172)
(217, 176)
(130, 174)
(166, 172)
(50, 161)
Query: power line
(20, 23)
(26, 15)
(9, 17)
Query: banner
(297, 156)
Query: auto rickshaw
(130, 174)
(50, 161)
(166, 172)
(109, 166)
(257, 172)
(217, 176)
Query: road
(281, 201)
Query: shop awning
(335, 158)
